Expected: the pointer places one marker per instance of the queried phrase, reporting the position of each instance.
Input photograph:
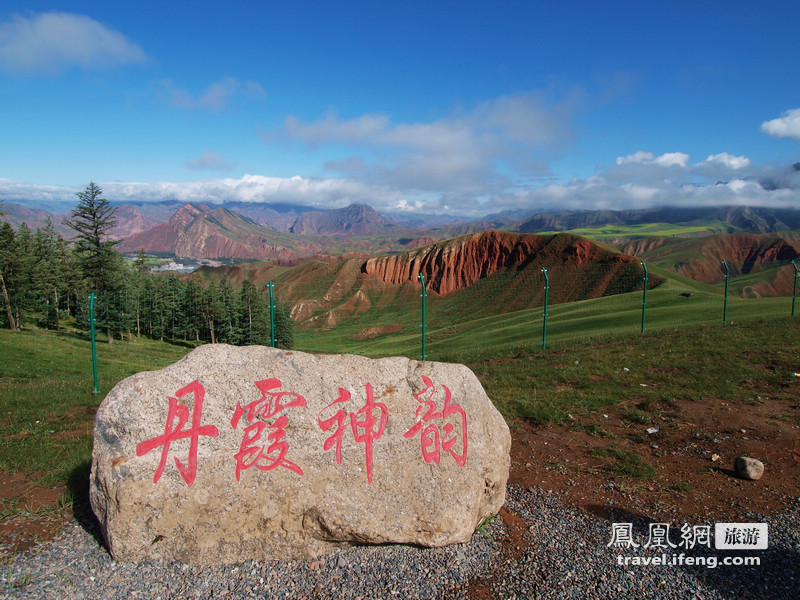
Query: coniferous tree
(45, 275)
(253, 315)
(8, 259)
(194, 309)
(92, 220)
(284, 327)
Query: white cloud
(669, 159)
(215, 97)
(53, 41)
(468, 152)
(729, 160)
(715, 181)
(673, 159)
(325, 193)
(788, 125)
(637, 158)
(210, 161)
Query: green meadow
(611, 232)
(48, 402)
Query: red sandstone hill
(497, 272)
(458, 263)
(701, 258)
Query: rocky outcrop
(254, 453)
(744, 253)
(457, 264)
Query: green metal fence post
(725, 305)
(544, 315)
(421, 278)
(272, 337)
(794, 293)
(644, 297)
(94, 345)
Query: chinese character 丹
(431, 440)
(658, 536)
(258, 412)
(174, 432)
(364, 428)
(622, 535)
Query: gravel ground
(541, 549)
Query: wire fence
(439, 315)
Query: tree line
(46, 280)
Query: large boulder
(237, 453)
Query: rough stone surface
(748, 468)
(168, 445)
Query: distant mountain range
(737, 218)
(290, 232)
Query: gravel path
(542, 550)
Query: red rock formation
(457, 264)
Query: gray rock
(748, 468)
(237, 453)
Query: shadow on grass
(78, 484)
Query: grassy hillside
(47, 399)
(614, 233)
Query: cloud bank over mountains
(638, 180)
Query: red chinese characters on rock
(362, 422)
(440, 431)
(257, 413)
(432, 441)
(174, 432)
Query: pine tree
(8, 258)
(45, 276)
(93, 219)
(253, 315)
(284, 327)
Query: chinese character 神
(431, 440)
(174, 432)
(364, 429)
(257, 413)
(622, 535)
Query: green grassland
(47, 395)
(611, 232)
(48, 401)
(461, 327)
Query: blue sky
(433, 107)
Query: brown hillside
(356, 219)
(324, 294)
(459, 263)
(701, 259)
(200, 232)
(163, 237)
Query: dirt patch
(374, 332)
(692, 447)
(30, 513)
